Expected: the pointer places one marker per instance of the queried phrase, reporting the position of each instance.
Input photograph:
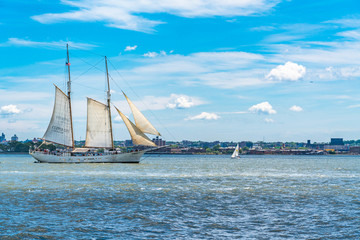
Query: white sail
(137, 136)
(98, 129)
(140, 120)
(59, 130)
(236, 152)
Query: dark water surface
(182, 197)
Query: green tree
(216, 148)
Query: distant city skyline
(272, 70)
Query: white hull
(132, 157)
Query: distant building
(159, 142)
(128, 143)
(2, 138)
(14, 138)
(355, 150)
(336, 141)
(186, 143)
(246, 144)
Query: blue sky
(200, 70)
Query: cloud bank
(36, 44)
(125, 14)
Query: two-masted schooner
(99, 132)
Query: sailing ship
(99, 131)
(236, 152)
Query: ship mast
(108, 102)
(69, 94)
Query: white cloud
(354, 34)
(263, 29)
(288, 72)
(354, 106)
(9, 109)
(180, 101)
(263, 107)
(204, 116)
(217, 69)
(296, 108)
(159, 103)
(151, 54)
(240, 112)
(268, 120)
(291, 32)
(118, 119)
(129, 48)
(35, 44)
(125, 14)
(346, 22)
(24, 96)
(154, 54)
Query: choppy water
(182, 197)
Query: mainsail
(141, 122)
(59, 130)
(137, 136)
(98, 130)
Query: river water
(182, 197)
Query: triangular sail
(141, 122)
(98, 129)
(236, 152)
(137, 136)
(59, 130)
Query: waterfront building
(337, 144)
(159, 142)
(2, 138)
(128, 143)
(354, 150)
(337, 141)
(14, 138)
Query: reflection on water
(259, 197)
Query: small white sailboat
(99, 131)
(236, 152)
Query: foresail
(98, 129)
(137, 136)
(59, 129)
(141, 122)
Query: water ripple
(200, 197)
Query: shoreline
(192, 154)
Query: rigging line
(87, 86)
(157, 119)
(92, 66)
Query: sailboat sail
(137, 136)
(236, 152)
(141, 122)
(98, 130)
(59, 130)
